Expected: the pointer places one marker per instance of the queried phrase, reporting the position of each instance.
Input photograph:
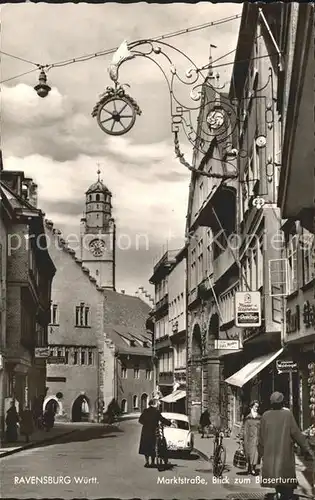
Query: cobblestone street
(85, 464)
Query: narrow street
(91, 464)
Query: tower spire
(98, 172)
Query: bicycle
(219, 454)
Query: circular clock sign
(97, 247)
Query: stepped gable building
(100, 342)
(26, 274)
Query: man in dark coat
(12, 421)
(26, 423)
(205, 423)
(278, 433)
(150, 419)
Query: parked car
(178, 435)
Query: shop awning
(252, 369)
(174, 396)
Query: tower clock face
(215, 119)
(97, 247)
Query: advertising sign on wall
(247, 309)
(41, 352)
(227, 344)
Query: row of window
(227, 304)
(135, 403)
(72, 355)
(176, 307)
(136, 372)
(99, 197)
(201, 264)
(165, 363)
(301, 257)
(161, 328)
(160, 290)
(82, 315)
(252, 266)
(180, 353)
(135, 342)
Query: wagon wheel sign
(116, 112)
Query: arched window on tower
(97, 197)
(90, 197)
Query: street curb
(35, 444)
(302, 481)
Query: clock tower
(97, 235)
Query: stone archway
(53, 403)
(196, 375)
(80, 409)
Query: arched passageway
(80, 409)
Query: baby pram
(161, 447)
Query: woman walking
(150, 418)
(251, 428)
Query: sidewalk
(39, 437)
(204, 448)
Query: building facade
(212, 270)
(295, 100)
(27, 272)
(162, 348)
(177, 317)
(91, 323)
(235, 234)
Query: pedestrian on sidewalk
(12, 422)
(278, 433)
(26, 423)
(250, 437)
(49, 418)
(205, 423)
(150, 418)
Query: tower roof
(98, 186)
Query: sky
(58, 143)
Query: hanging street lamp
(42, 88)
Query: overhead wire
(19, 58)
(104, 52)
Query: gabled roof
(124, 315)
(119, 334)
